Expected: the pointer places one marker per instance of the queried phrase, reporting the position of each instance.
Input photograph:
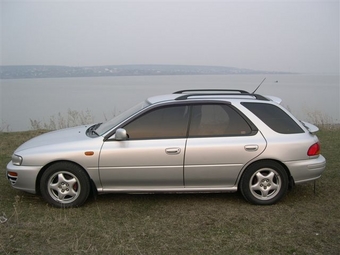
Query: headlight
(16, 160)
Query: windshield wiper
(95, 126)
(94, 132)
(92, 129)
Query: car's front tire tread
(65, 184)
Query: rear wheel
(264, 183)
(65, 184)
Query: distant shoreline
(45, 71)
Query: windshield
(106, 126)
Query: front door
(152, 157)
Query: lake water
(104, 97)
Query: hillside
(41, 71)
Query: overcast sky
(293, 36)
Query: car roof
(208, 94)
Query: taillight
(314, 150)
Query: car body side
(86, 152)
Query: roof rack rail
(185, 96)
(236, 91)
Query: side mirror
(121, 134)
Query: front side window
(274, 117)
(164, 122)
(217, 120)
(105, 127)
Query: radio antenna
(259, 85)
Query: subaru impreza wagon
(189, 141)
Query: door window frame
(254, 130)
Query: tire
(264, 183)
(65, 184)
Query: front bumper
(307, 170)
(25, 178)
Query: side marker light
(89, 153)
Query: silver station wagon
(189, 141)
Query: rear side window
(210, 120)
(274, 117)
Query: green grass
(304, 222)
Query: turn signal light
(12, 174)
(314, 150)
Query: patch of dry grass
(303, 223)
(71, 119)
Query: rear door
(221, 141)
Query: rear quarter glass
(274, 117)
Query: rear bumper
(25, 178)
(307, 170)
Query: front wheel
(65, 185)
(264, 183)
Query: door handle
(251, 147)
(173, 151)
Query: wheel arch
(43, 169)
(291, 183)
